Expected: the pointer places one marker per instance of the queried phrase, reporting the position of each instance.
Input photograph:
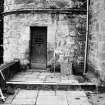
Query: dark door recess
(38, 47)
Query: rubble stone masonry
(65, 33)
(96, 50)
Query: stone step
(51, 86)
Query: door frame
(30, 44)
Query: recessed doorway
(38, 53)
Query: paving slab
(46, 93)
(27, 93)
(52, 79)
(44, 77)
(18, 78)
(25, 97)
(69, 81)
(77, 100)
(5, 104)
(36, 73)
(28, 75)
(10, 98)
(51, 100)
(24, 101)
(71, 93)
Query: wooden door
(39, 47)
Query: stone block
(103, 46)
(66, 68)
(101, 56)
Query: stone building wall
(1, 32)
(10, 5)
(96, 48)
(17, 34)
(65, 33)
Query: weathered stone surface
(46, 93)
(19, 28)
(28, 97)
(51, 100)
(40, 4)
(97, 37)
(65, 35)
(78, 100)
(71, 93)
(25, 97)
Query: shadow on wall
(78, 69)
(1, 55)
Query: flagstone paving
(46, 97)
(42, 97)
(43, 77)
(77, 100)
(51, 100)
(25, 97)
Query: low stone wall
(9, 70)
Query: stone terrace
(33, 79)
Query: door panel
(38, 47)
